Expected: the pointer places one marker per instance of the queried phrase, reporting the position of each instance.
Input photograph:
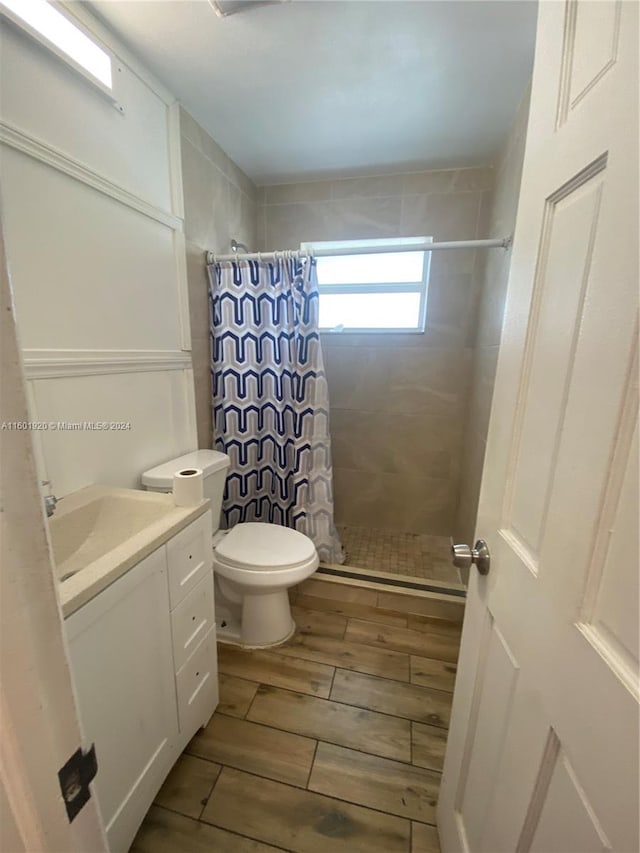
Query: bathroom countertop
(100, 532)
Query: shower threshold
(395, 581)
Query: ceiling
(315, 88)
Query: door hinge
(75, 777)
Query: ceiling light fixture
(224, 8)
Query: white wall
(219, 205)
(92, 209)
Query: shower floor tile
(417, 554)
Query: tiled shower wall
(493, 289)
(219, 203)
(409, 413)
(398, 401)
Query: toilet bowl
(257, 563)
(254, 563)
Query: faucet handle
(45, 482)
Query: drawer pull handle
(188, 577)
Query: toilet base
(227, 636)
(265, 620)
(228, 627)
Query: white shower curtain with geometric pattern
(270, 397)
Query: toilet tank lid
(161, 477)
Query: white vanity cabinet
(190, 565)
(143, 657)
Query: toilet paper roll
(188, 487)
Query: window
(373, 291)
(63, 37)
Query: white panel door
(543, 745)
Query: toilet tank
(214, 467)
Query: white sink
(83, 533)
(100, 532)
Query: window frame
(420, 287)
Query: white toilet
(254, 563)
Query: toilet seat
(260, 547)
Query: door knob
(462, 556)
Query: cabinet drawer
(197, 686)
(192, 620)
(189, 558)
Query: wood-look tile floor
(415, 554)
(331, 743)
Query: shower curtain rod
(498, 243)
